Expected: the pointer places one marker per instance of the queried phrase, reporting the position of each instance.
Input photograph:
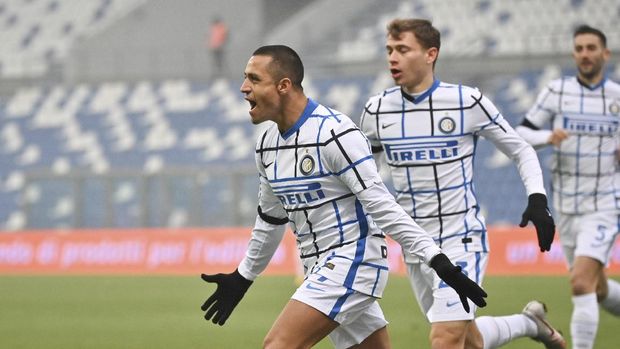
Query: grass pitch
(164, 312)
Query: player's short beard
(589, 75)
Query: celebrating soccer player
(426, 131)
(317, 173)
(584, 114)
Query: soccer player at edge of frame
(583, 113)
(425, 131)
(317, 174)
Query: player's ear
(284, 86)
(431, 55)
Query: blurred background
(120, 114)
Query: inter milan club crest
(447, 125)
(614, 108)
(307, 165)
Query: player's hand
(230, 289)
(463, 285)
(538, 212)
(557, 136)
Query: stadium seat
(184, 145)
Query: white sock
(499, 330)
(612, 302)
(584, 322)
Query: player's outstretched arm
(230, 290)
(464, 286)
(538, 212)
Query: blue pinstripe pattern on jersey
(578, 156)
(275, 161)
(332, 114)
(403, 136)
(462, 111)
(492, 122)
(558, 149)
(339, 220)
(466, 183)
(483, 233)
(361, 245)
(477, 268)
(366, 158)
(359, 255)
(411, 191)
(463, 174)
(318, 147)
(374, 287)
(402, 115)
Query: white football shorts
(438, 301)
(358, 314)
(591, 235)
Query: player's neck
(292, 110)
(421, 86)
(593, 81)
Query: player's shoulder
(327, 119)
(457, 93)
(387, 96)
(452, 89)
(612, 86)
(268, 135)
(557, 85)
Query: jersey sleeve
(268, 230)
(544, 108)
(395, 222)
(497, 130)
(538, 115)
(368, 125)
(348, 155)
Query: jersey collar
(424, 94)
(592, 87)
(310, 106)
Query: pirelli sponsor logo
(422, 151)
(596, 125)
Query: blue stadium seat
(180, 147)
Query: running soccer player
(584, 113)
(426, 131)
(317, 173)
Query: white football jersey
(320, 175)
(429, 142)
(584, 164)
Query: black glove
(230, 289)
(537, 212)
(465, 287)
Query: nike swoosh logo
(451, 304)
(267, 165)
(310, 287)
(384, 126)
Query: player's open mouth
(252, 104)
(395, 73)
